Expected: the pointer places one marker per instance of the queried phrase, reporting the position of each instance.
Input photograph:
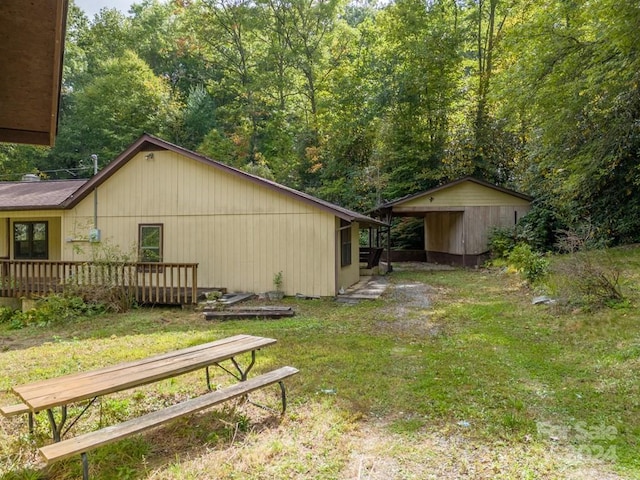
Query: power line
(68, 170)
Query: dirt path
(379, 454)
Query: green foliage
(501, 242)
(51, 310)
(278, 280)
(503, 375)
(361, 103)
(533, 266)
(6, 314)
(408, 234)
(108, 264)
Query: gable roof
(149, 142)
(32, 195)
(31, 48)
(431, 191)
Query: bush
(6, 314)
(501, 241)
(53, 309)
(587, 278)
(532, 265)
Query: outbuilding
(458, 218)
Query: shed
(158, 202)
(459, 216)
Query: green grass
(480, 373)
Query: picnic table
(58, 393)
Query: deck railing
(147, 282)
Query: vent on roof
(30, 177)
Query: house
(458, 218)
(165, 205)
(31, 48)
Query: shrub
(501, 241)
(532, 265)
(6, 314)
(49, 310)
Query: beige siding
(467, 232)
(461, 195)
(240, 233)
(479, 222)
(444, 232)
(5, 229)
(350, 274)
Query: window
(150, 243)
(345, 243)
(31, 240)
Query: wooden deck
(147, 282)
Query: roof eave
(431, 191)
(147, 140)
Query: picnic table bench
(57, 393)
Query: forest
(362, 101)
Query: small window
(31, 240)
(345, 244)
(150, 242)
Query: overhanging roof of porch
(31, 48)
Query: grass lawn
(451, 374)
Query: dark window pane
(150, 241)
(30, 240)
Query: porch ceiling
(31, 49)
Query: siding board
(241, 234)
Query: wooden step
(249, 312)
(89, 441)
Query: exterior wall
(240, 233)
(444, 232)
(480, 220)
(466, 232)
(5, 241)
(349, 274)
(461, 195)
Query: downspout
(94, 157)
(337, 261)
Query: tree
(576, 68)
(122, 101)
(417, 65)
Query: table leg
(283, 396)
(242, 373)
(56, 428)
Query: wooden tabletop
(76, 387)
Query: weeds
(586, 277)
